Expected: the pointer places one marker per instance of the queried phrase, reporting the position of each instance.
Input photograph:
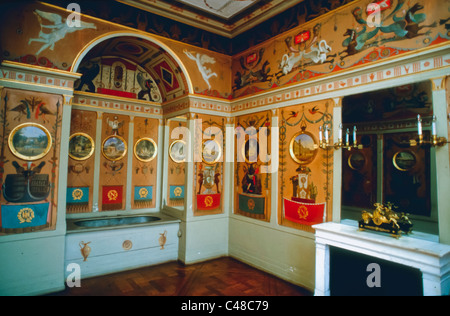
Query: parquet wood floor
(218, 277)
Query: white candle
(354, 135)
(433, 126)
(419, 125)
(347, 137)
(340, 133)
(320, 135)
(326, 134)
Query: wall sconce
(435, 140)
(340, 144)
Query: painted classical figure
(201, 60)
(59, 29)
(252, 182)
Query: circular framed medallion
(81, 146)
(177, 151)
(145, 149)
(404, 160)
(211, 151)
(250, 150)
(114, 148)
(356, 161)
(303, 148)
(30, 141)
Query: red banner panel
(112, 197)
(303, 213)
(208, 202)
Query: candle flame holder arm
(435, 141)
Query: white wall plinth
(431, 258)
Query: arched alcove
(148, 56)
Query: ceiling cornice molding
(210, 24)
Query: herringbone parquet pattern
(219, 277)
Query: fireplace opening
(355, 274)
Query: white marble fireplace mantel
(431, 258)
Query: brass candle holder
(325, 144)
(435, 141)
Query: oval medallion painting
(404, 160)
(81, 146)
(303, 148)
(30, 141)
(177, 151)
(114, 148)
(357, 161)
(145, 149)
(250, 150)
(211, 151)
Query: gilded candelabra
(324, 141)
(434, 141)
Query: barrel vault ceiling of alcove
(152, 58)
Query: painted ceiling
(224, 26)
(227, 18)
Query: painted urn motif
(163, 239)
(85, 249)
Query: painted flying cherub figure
(201, 60)
(59, 29)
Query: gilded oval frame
(29, 142)
(244, 151)
(142, 156)
(79, 157)
(354, 166)
(219, 155)
(172, 154)
(298, 158)
(396, 164)
(109, 153)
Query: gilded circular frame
(81, 146)
(250, 157)
(402, 163)
(357, 164)
(145, 149)
(308, 142)
(177, 153)
(30, 141)
(211, 157)
(114, 147)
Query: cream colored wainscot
(116, 243)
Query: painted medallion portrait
(114, 148)
(145, 149)
(303, 148)
(30, 141)
(81, 146)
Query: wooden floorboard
(219, 277)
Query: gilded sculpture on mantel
(384, 219)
